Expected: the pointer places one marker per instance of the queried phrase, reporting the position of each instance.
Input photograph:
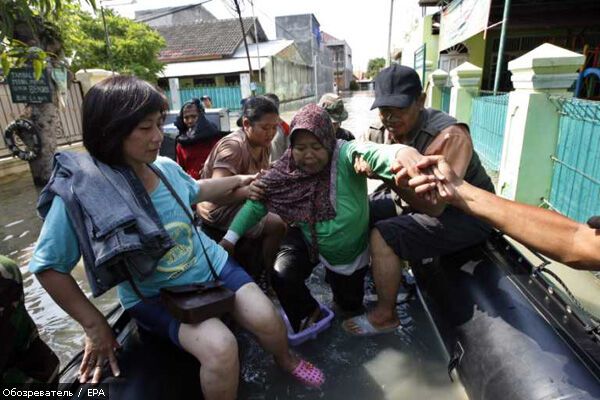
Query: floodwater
(409, 363)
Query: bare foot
(312, 319)
(287, 362)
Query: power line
(172, 11)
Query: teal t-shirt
(342, 239)
(57, 246)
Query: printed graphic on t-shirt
(181, 257)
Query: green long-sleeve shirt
(342, 239)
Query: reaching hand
(363, 168)
(245, 180)
(256, 190)
(100, 346)
(406, 166)
(444, 179)
(408, 158)
(228, 246)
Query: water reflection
(19, 229)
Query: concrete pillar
(174, 92)
(437, 80)
(531, 130)
(428, 70)
(466, 79)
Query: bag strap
(187, 211)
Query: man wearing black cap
(423, 229)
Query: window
(232, 80)
(204, 81)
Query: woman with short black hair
(117, 208)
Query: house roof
(205, 40)
(212, 67)
(265, 49)
(238, 63)
(328, 37)
(148, 15)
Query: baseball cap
(334, 106)
(396, 86)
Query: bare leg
(273, 233)
(256, 313)
(213, 344)
(387, 274)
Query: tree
(134, 46)
(374, 66)
(29, 35)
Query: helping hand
(228, 246)
(444, 179)
(100, 346)
(256, 190)
(363, 168)
(245, 180)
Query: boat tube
(508, 332)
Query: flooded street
(19, 229)
(411, 363)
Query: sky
(362, 24)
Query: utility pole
(500, 58)
(107, 40)
(389, 55)
(337, 71)
(256, 40)
(239, 13)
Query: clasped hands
(430, 177)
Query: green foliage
(29, 32)
(134, 46)
(374, 66)
(354, 85)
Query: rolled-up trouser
(293, 266)
(415, 236)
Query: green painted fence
(575, 190)
(446, 90)
(222, 96)
(488, 118)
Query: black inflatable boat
(507, 332)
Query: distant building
(211, 55)
(445, 36)
(305, 31)
(168, 16)
(342, 60)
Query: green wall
(476, 45)
(431, 41)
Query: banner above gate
(463, 19)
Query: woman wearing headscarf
(197, 136)
(315, 189)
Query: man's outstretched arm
(548, 232)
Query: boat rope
(592, 326)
